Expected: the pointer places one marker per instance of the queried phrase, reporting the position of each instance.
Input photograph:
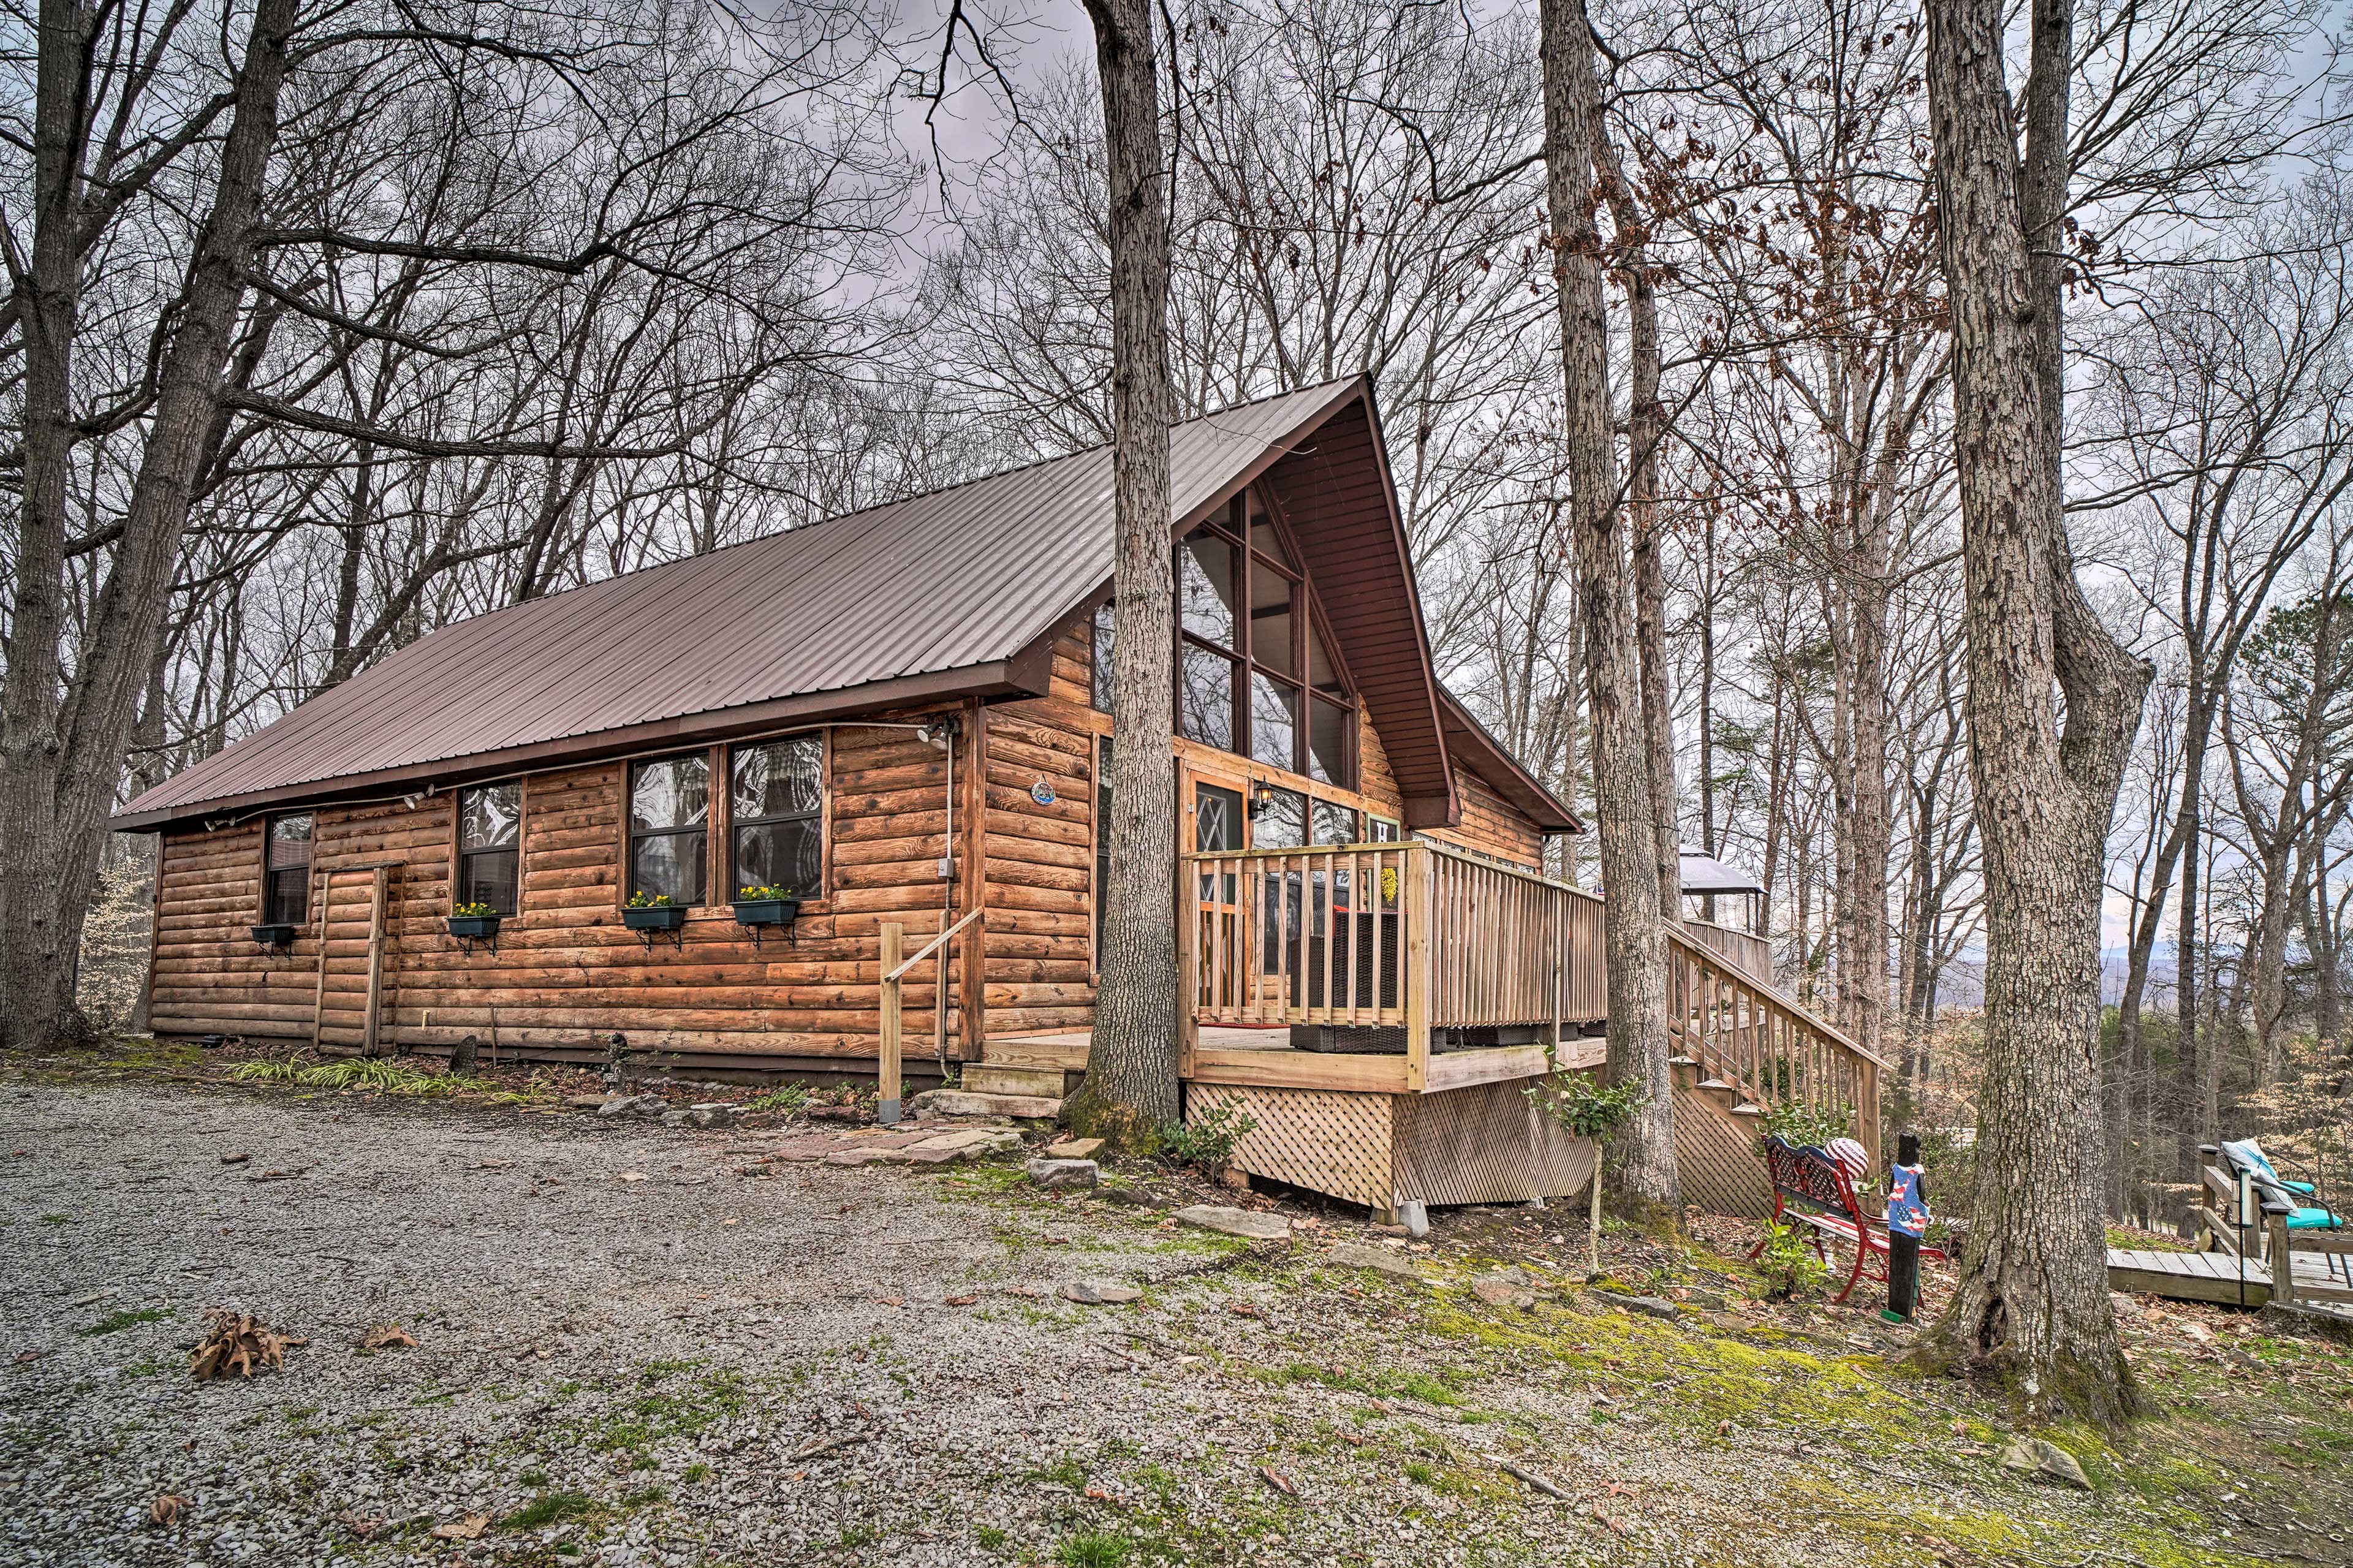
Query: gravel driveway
(630, 1351)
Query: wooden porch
(1379, 1011)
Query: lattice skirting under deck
(1716, 1156)
(1479, 1145)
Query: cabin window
(1278, 819)
(1333, 824)
(778, 815)
(489, 842)
(1253, 676)
(286, 872)
(1381, 830)
(1105, 640)
(670, 814)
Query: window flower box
(654, 917)
(766, 907)
(274, 935)
(474, 925)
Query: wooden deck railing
(1409, 936)
(1745, 950)
(1772, 1052)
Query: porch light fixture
(1261, 799)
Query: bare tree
(2052, 704)
(1599, 528)
(1131, 1086)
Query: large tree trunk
(1131, 1086)
(2032, 1299)
(1638, 1039)
(62, 736)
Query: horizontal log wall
(566, 972)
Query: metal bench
(1813, 1190)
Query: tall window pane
(1327, 741)
(1275, 722)
(1271, 593)
(1321, 675)
(1204, 697)
(778, 800)
(1205, 587)
(489, 840)
(286, 871)
(1105, 640)
(670, 811)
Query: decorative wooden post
(886, 1074)
(1420, 905)
(2281, 1261)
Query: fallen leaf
(469, 1528)
(386, 1336)
(894, 1300)
(24, 1356)
(960, 1300)
(235, 1158)
(1352, 1439)
(1243, 1309)
(1099, 1495)
(1276, 1479)
(241, 1344)
(633, 1176)
(166, 1511)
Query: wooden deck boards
(1263, 1057)
(2214, 1277)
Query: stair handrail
(1778, 1051)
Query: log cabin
(767, 808)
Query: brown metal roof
(954, 593)
(942, 592)
(1334, 491)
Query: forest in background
(543, 296)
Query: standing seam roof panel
(951, 580)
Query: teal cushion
(2303, 1187)
(2313, 1219)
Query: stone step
(965, 1102)
(992, 1078)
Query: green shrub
(1092, 1551)
(1583, 1104)
(1805, 1125)
(1207, 1141)
(1788, 1265)
(286, 1071)
(789, 1098)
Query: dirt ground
(639, 1343)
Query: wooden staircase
(1745, 1047)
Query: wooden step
(964, 1103)
(995, 1077)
